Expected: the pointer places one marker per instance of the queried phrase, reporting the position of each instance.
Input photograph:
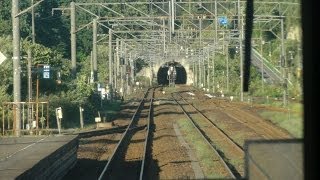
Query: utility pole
(203, 71)
(172, 15)
(16, 65)
(132, 68)
(110, 63)
(199, 72)
(121, 64)
(15, 13)
(126, 64)
(194, 74)
(213, 71)
(151, 74)
(216, 23)
(29, 75)
(262, 65)
(227, 59)
(117, 64)
(170, 20)
(37, 98)
(114, 66)
(91, 68)
(215, 45)
(284, 67)
(164, 35)
(30, 113)
(73, 38)
(240, 50)
(33, 27)
(208, 69)
(200, 42)
(30, 117)
(94, 49)
(81, 116)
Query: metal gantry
(190, 25)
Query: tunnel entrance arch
(180, 74)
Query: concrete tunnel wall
(182, 78)
(162, 75)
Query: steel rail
(205, 138)
(125, 134)
(147, 140)
(221, 131)
(272, 132)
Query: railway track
(265, 129)
(261, 127)
(215, 138)
(130, 156)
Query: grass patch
(292, 120)
(170, 89)
(240, 138)
(202, 150)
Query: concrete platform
(38, 157)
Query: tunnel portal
(162, 75)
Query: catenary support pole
(284, 67)
(110, 58)
(33, 26)
(16, 65)
(94, 49)
(81, 116)
(30, 117)
(73, 39)
(240, 50)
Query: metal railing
(28, 116)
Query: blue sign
(46, 72)
(223, 21)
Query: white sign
(97, 119)
(46, 68)
(46, 75)
(46, 72)
(99, 88)
(59, 112)
(103, 93)
(2, 58)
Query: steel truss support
(164, 27)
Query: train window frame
(310, 91)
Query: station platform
(37, 157)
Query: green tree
(52, 30)
(83, 89)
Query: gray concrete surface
(20, 154)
